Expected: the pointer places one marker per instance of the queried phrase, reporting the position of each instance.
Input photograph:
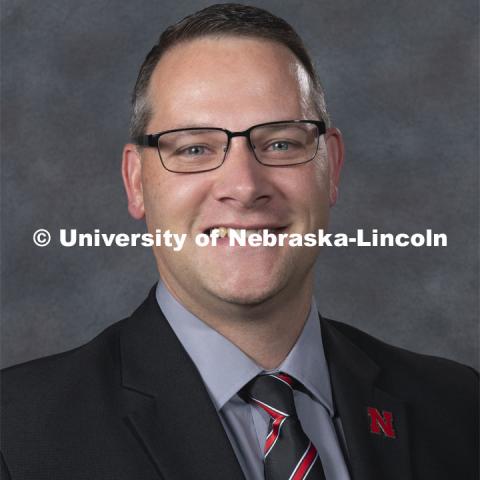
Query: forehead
(233, 80)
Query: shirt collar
(306, 361)
(225, 369)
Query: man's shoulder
(413, 374)
(64, 372)
(90, 370)
(389, 355)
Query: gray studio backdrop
(401, 82)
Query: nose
(242, 181)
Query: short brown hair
(216, 20)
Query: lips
(222, 232)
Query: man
(227, 370)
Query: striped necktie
(288, 453)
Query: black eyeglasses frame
(151, 140)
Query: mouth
(222, 231)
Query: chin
(247, 291)
(245, 298)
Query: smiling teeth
(219, 232)
(222, 232)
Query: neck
(267, 331)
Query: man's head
(231, 67)
(218, 21)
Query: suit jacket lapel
(374, 450)
(172, 414)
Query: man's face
(231, 83)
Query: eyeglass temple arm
(146, 140)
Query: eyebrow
(193, 125)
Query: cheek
(313, 195)
(170, 199)
(312, 185)
(154, 192)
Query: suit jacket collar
(175, 419)
(356, 387)
(176, 422)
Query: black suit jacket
(130, 404)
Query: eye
(193, 150)
(281, 146)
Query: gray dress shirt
(225, 369)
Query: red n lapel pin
(381, 423)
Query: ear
(335, 152)
(132, 180)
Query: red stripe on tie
(273, 413)
(304, 467)
(285, 378)
(273, 435)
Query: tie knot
(274, 393)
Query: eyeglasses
(275, 144)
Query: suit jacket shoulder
(409, 374)
(65, 371)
